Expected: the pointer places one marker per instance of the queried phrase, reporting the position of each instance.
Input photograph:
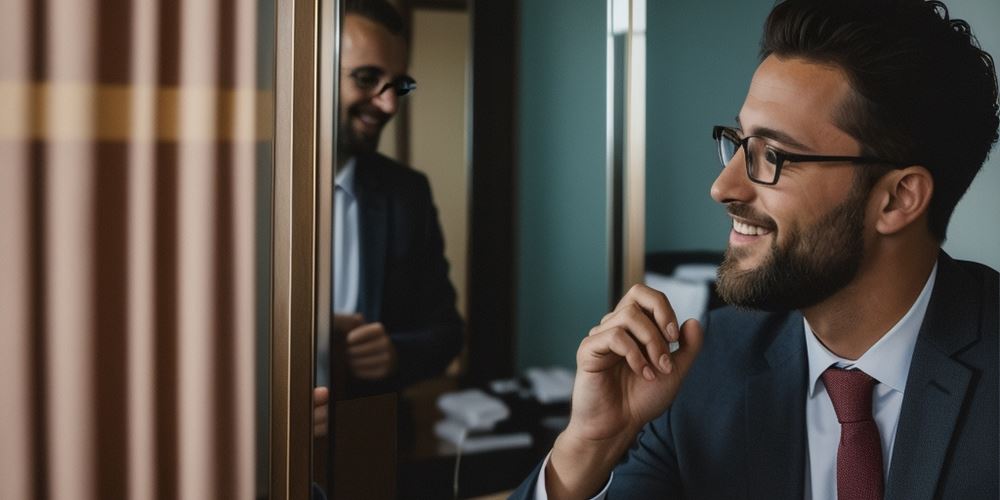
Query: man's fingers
(371, 347)
(321, 398)
(370, 362)
(604, 350)
(653, 302)
(347, 322)
(321, 395)
(365, 333)
(635, 321)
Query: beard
(812, 265)
(352, 142)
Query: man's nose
(387, 101)
(733, 184)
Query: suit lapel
(936, 386)
(373, 231)
(775, 418)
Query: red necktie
(859, 457)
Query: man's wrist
(580, 467)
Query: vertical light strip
(244, 172)
(634, 182)
(196, 247)
(68, 249)
(141, 235)
(16, 457)
(611, 197)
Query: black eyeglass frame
(781, 157)
(401, 85)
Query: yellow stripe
(86, 112)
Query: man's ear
(906, 195)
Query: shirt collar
(345, 177)
(888, 360)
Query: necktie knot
(851, 394)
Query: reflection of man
(393, 302)
(869, 368)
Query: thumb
(691, 336)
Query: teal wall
(973, 234)
(701, 56)
(562, 248)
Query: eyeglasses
(373, 80)
(764, 162)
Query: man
(394, 307)
(861, 360)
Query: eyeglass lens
(761, 161)
(369, 79)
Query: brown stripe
(225, 320)
(111, 340)
(114, 41)
(39, 44)
(166, 321)
(169, 54)
(226, 44)
(39, 375)
(113, 107)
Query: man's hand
(321, 405)
(625, 377)
(371, 355)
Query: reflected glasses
(373, 80)
(764, 162)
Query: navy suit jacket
(737, 429)
(404, 275)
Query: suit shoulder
(736, 334)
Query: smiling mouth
(749, 229)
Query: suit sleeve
(648, 470)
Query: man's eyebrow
(773, 134)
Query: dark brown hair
(924, 93)
(380, 11)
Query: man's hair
(924, 93)
(380, 11)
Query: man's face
(373, 49)
(798, 242)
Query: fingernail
(646, 372)
(665, 363)
(672, 333)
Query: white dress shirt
(346, 253)
(887, 361)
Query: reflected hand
(343, 323)
(371, 354)
(321, 400)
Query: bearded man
(859, 361)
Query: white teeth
(747, 229)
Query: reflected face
(370, 47)
(796, 243)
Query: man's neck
(886, 286)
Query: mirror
(396, 302)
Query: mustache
(745, 212)
(369, 109)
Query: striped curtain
(128, 131)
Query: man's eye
(367, 81)
(770, 156)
